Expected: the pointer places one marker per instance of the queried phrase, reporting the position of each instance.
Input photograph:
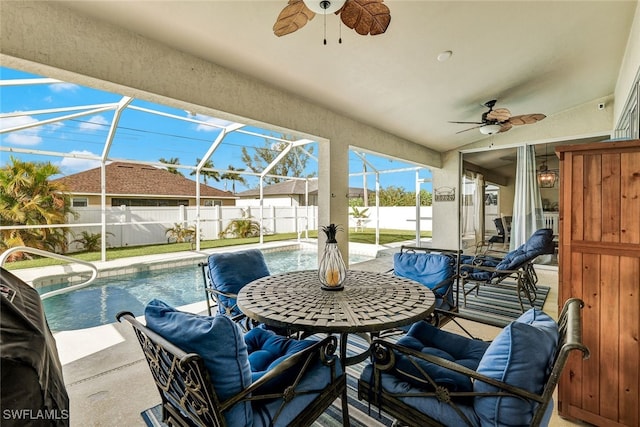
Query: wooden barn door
(600, 263)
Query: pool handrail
(35, 251)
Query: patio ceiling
(532, 56)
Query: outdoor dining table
(368, 303)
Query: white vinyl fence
(134, 226)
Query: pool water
(99, 303)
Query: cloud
(94, 123)
(52, 127)
(71, 165)
(216, 123)
(27, 137)
(63, 87)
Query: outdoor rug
(499, 303)
(332, 417)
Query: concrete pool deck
(108, 380)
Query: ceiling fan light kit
(324, 6)
(490, 129)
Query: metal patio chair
(224, 274)
(206, 373)
(436, 269)
(432, 377)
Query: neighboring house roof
(139, 180)
(293, 187)
(288, 188)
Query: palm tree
(90, 242)
(233, 177)
(215, 175)
(241, 227)
(171, 161)
(180, 232)
(27, 197)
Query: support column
(446, 214)
(333, 192)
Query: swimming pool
(99, 303)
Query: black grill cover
(32, 389)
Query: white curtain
(478, 208)
(527, 204)
(473, 209)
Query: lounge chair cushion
(428, 339)
(474, 273)
(428, 269)
(219, 341)
(521, 355)
(540, 243)
(267, 350)
(230, 271)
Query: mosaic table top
(369, 302)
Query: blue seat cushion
(219, 341)
(230, 271)
(429, 269)
(521, 355)
(267, 350)
(474, 273)
(431, 406)
(425, 338)
(316, 379)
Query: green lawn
(366, 236)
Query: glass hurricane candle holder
(332, 271)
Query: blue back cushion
(521, 355)
(267, 350)
(219, 341)
(230, 271)
(540, 243)
(426, 338)
(428, 269)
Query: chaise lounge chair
(515, 270)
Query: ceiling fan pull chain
(339, 31)
(325, 28)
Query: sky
(144, 136)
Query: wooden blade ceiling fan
(500, 120)
(366, 17)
